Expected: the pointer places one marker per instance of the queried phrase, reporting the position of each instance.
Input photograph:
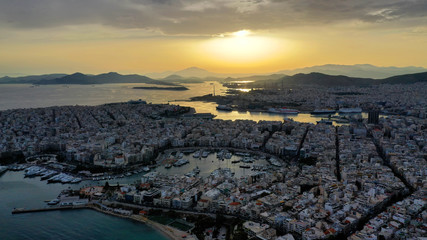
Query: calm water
(209, 164)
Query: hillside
(112, 77)
(340, 80)
(357, 70)
(31, 78)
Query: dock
(23, 210)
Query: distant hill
(358, 70)
(31, 78)
(196, 72)
(325, 80)
(112, 77)
(180, 79)
(80, 78)
(406, 79)
(256, 77)
(340, 80)
(185, 73)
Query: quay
(23, 210)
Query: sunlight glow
(241, 47)
(242, 33)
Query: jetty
(23, 210)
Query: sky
(226, 36)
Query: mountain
(196, 72)
(325, 80)
(256, 78)
(188, 72)
(31, 78)
(179, 79)
(340, 80)
(358, 70)
(112, 77)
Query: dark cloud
(204, 16)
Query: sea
(29, 96)
(19, 192)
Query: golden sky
(242, 36)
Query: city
(216, 120)
(359, 180)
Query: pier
(23, 210)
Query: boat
(33, 171)
(76, 180)
(224, 108)
(181, 162)
(245, 166)
(180, 155)
(139, 101)
(283, 110)
(323, 111)
(48, 175)
(168, 165)
(146, 169)
(235, 161)
(327, 122)
(228, 155)
(53, 201)
(350, 110)
(3, 169)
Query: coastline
(166, 231)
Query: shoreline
(168, 232)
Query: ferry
(323, 111)
(283, 110)
(224, 108)
(350, 110)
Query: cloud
(205, 17)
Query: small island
(181, 88)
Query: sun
(242, 46)
(241, 33)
